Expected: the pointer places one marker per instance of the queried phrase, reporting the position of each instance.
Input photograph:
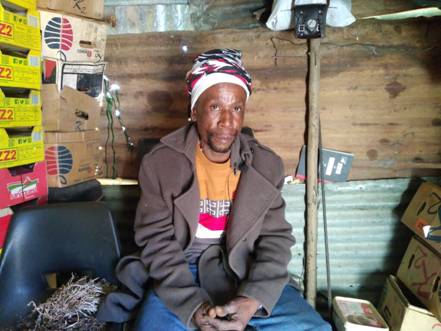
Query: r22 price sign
(6, 73)
(6, 30)
(6, 115)
(7, 155)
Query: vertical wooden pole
(311, 172)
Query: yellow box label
(19, 61)
(6, 114)
(6, 73)
(17, 141)
(22, 101)
(6, 30)
(8, 155)
(20, 19)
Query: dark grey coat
(258, 238)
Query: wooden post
(311, 172)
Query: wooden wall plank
(380, 91)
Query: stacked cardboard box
(73, 45)
(22, 166)
(412, 300)
(350, 314)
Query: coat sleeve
(161, 253)
(268, 273)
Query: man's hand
(234, 315)
(201, 318)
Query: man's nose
(226, 118)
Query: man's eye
(238, 109)
(214, 107)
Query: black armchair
(70, 237)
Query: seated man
(210, 222)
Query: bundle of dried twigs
(71, 307)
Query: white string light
(114, 87)
(113, 109)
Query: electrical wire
(110, 130)
(108, 115)
(129, 141)
(111, 95)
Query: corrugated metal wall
(367, 240)
(366, 237)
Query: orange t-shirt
(217, 187)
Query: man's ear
(193, 115)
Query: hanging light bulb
(114, 87)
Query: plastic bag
(282, 15)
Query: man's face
(219, 114)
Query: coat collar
(185, 140)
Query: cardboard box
(20, 30)
(402, 315)
(88, 8)
(20, 109)
(70, 38)
(422, 215)
(72, 157)
(352, 314)
(68, 110)
(35, 183)
(20, 72)
(84, 77)
(420, 271)
(19, 148)
(24, 183)
(5, 219)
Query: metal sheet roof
(138, 16)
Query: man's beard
(218, 149)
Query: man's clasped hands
(233, 316)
